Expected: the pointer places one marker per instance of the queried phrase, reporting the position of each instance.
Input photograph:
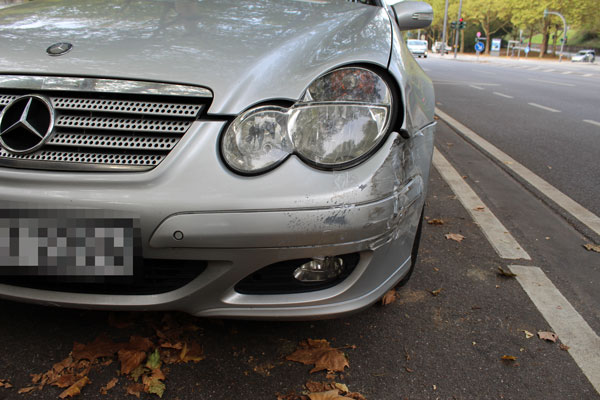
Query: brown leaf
(191, 352)
(592, 247)
(130, 360)
(139, 343)
(457, 237)
(509, 358)
(135, 389)
(100, 347)
(4, 383)
(564, 347)
(26, 389)
(321, 354)
(64, 381)
(436, 292)
(436, 221)
(329, 395)
(479, 208)
(409, 370)
(389, 297)
(111, 384)
(549, 336)
(505, 273)
(176, 346)
(75, 389)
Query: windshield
(417, 42)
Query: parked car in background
(417, 47)
(437, 48)
(584, 56)
(237, 158)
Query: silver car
(241, 158)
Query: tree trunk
(545, 36)
(486, 29)
(530, 36)
(554, 40)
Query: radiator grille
(101, 131)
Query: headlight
(341, 117)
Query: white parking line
(476, 87)
(567, 72)
(544, 107)
(503, 242)
(589, 121)
(552, 82)
(565, 321)
(503, 95)
(582, 214)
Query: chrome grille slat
(104, 124)
(113, 142)
(123, 124)
(93, 158)
(126, 107)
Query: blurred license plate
(67, 243)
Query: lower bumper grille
(154, 277)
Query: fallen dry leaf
(564, 347)
(528, 335)
(4, 383)
(436, 292)
(592, 247)
(436, 221)
(410, 371)
(329, 395)
(64, 381)
(549, 336)
(75, 389)
(99, 348)
(507, 274)
(26, 389)
(191, 351)
(321, 354)
(509, 358)
(111, 384)
(457, 237)
(389, 297)
(130, 360)
(135, 389)
(479, 208)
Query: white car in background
(417, 47)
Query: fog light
(320, 269)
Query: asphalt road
(545, 115)
(422, 346)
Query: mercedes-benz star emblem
(58, 49)
(25, 124)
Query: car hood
(246, 52)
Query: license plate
(67, 243)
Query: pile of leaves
(141, 360)
(323, 391)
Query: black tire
(415, 250)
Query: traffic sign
(526, 50)
(479, 47)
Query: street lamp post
(562, 45)
(457, 29)
(444, 33)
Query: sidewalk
(531, 60)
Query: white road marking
(589, 121)
(544, 107)
(465, 83)
(476, 87)
(503, 95)
(567, 72)
(588, 75)
(503, 242)
(549, 70)
(534, 68)
(582, 214)
(552, 82)
(565, 321)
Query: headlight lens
(341, 117)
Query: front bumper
(238, 225)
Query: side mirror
(413, 15)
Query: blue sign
(526, 50)
(479, 47)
